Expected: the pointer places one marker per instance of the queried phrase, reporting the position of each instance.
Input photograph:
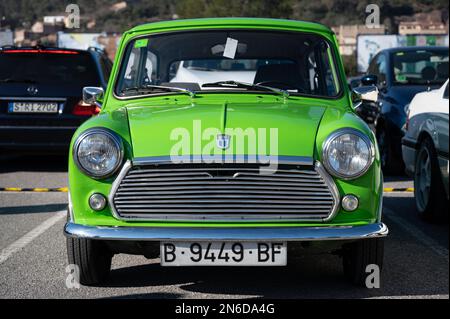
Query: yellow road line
(34, 189)
(12, 189)
(392, 190)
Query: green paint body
(303, 124)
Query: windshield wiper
(151, 88)
(243, 85)
(12, 80)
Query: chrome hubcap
(423, 179)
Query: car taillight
(39, 51)
(84, 109)
(407, 117)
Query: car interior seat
(279, 74)
(442, 70)
(428, 73)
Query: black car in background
(399, 74)
(41, 95)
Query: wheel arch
(423, 136)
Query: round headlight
(348, 153)
(98, 152)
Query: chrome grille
(223, 192)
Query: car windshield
(420, 67)
(75, 69)
(199, 61)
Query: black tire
(432, 206)
(358, 255)
(92, 258)
(389, 164)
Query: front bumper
(321, 233)
(409, 157)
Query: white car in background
(425, 151)
(201, 72)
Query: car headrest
(428, 73)
(284, 73)
(442, 70)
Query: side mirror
(364, 94)
(369, 79)
(93, 95)
(364, 102)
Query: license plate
(223, 253)
(33, 107)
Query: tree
(234, 8)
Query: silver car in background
(425, 151)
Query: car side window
(446, 92)
(106, 67)
(373, 66)
(382, 68)
(137, 75)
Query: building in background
(347, 36)
(415, 27)
(431, 23)
(53, 24)
(83, 41)
(6, 37)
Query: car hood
(285, 128)
(403, 94)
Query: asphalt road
(33, 254)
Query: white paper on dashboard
(230, 48)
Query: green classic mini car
(228, 142)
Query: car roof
(45, 48)
(415, 48)
(232, 22)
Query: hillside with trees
(23, 13)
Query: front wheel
(428, 185)
(359, 255)
(389, 164)
(92, 257)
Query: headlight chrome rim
(326, 149)
(116, 140)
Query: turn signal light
(83, 109)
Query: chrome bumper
(227, 233)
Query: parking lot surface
(33, 254)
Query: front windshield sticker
(141, 43)
(230, 48)
(401, 78)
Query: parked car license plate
(223, 253)
(33, 107)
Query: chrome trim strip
(333, 189)
(319, 233)
(123, 172)
(180, 217)
(252, 159)
(380, 201)
(70, 207)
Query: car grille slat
(222, 191)
(206, 178)
(224, 188)
(158, 169)
(217, 195)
